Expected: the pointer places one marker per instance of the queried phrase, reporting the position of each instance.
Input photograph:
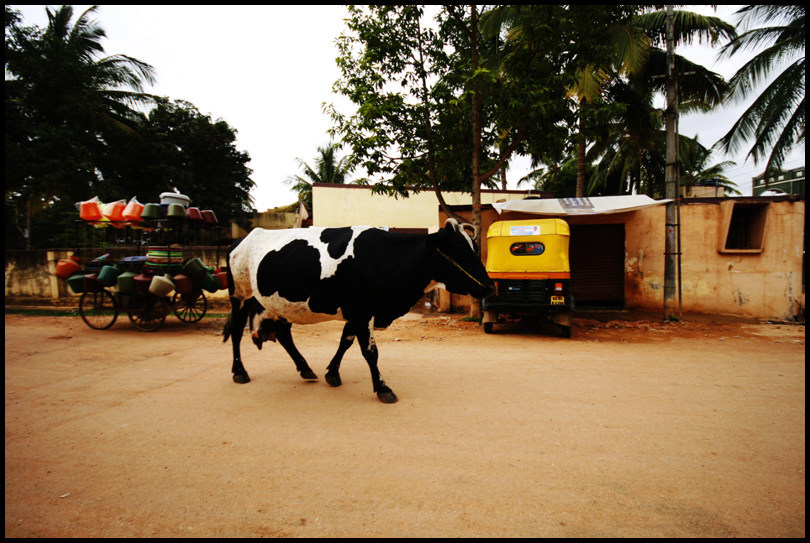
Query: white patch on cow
(294, 312)
(247, 256)
(372, 343)
(256, 321)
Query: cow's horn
(471, 229)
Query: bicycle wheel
(190, 307)
(148, 312)
(98, 309)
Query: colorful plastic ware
(152, 211)
(133, 210)
(67, 267)
(89, 211)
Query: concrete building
(740, 257)
(788, 182)
(347, 205)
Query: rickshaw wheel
(190, 307)
(98, 309)
(488, 328)
(150, 314)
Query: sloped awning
(597, 205)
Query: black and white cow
(365, 276)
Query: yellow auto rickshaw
(528, 260)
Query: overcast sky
(267, 70)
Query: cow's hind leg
(237, 322)
(365, 337)
(333, 370)
(284, 337)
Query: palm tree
(630, 152)
(629, 49)
(61, 99)
(58, 75)
(775, 120)
(599, 47)
(328, 169)
(695, 168)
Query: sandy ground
(627, 429)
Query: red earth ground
(628, 429)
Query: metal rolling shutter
(597, 264)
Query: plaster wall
(347, 205)
(765, 285)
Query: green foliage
(561, 179)
(414, 83)
(328, 169)
(696, 170)
(61, 104)
(774, 123)
(72, 132)
(628, 143)
(408, 123)
(176, 146)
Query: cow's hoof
(333, 379)
(387, 397)
(241, 378)
(308, 375)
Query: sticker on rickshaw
(524, 230)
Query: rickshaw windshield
(527, 249)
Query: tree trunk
(477, 108)
(580, 158)
(27, 233)
(671, 251)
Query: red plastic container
(91, 283)
(89, 211)
(208, 216)
(193, 214)
(67, 267)
(142, 282)
(223, 278)
(115, 211)
(183, 284)
(132, 211)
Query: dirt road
(627, 429)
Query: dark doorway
(597, 265)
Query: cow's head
(261, 329)
(265, 331)
(457, 263)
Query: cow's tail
(226, 330)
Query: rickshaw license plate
(558, 300)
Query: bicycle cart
(100, 309)
(145, 287)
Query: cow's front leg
(236, 326)
(365, 337)
(333, 369)
(284, 337)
